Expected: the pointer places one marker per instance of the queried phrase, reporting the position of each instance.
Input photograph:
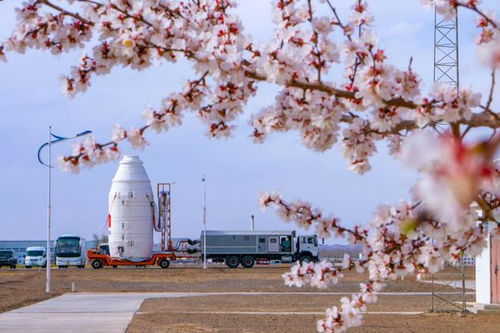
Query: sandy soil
(275, 303)
(224, 323)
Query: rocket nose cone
(131, 159)
(131, 169)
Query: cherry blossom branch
(472, 6)
(490, 97)
(305, 216)
(477, 119)
(64, 11)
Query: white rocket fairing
(131, 211)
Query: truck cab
(103, 248)
(35, 256)
(307, 248)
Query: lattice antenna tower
(446, 71)
(446, 61)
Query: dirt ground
(233, 323)
(22, 287)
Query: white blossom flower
(136, 139)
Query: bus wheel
(247, 262)
(232, 261)
(164, 263)
(96, 264)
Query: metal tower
(449, 293)
(446, 50)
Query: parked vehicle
(7, 258)
(182, 252)
(70, 251)
(103, 248)
(250, 247)
(35, 256)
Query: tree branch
(65, 12)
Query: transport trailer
(185, 250)
(259, 247)
(99, 260)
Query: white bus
(70, 251)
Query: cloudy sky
(237, 170)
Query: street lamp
(204, 180)
(52, 140)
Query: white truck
(250, 247)
(36, 256)
(70, 251)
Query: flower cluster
(402, 240)
(320, 275)
(88, 153)
(453, 173)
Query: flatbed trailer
(161, 259)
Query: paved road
(107, 312)
(469, 284)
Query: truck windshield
(68, 247)
(34, 253)
(5, 254)
(104, 249)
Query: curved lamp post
(52, 140)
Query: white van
(35, 256)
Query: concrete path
(469, 284)
(287, 313)
(110, 312)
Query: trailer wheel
(164, 263)
(13, 266)
(232, 261)
(306, 259)
(96, 264)
(247, 262)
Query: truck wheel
(28, 267)
(232, 261)
(305, 259)
(13, 266)
(96, 264)
(164, 263)
(247, 262)
(192, 242)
